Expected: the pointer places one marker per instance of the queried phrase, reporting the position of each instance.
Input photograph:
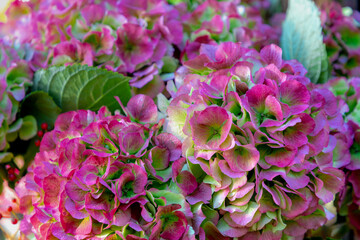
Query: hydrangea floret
(99, 176)
(264, 143)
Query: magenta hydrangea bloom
(341, 38)
(126, 36)
(97, 172)
(265, 144)
(221, 21)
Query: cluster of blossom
(351, 197)
(127, 36)
(249, 149)
(265, 144)
(246, 147)
(217, 21)
(101, 175)
(348, 91)
(15, 78)
(342, 38)
(143, 38)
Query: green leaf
(350, 38)
(12, 132)
(40, 105)
(6, 157)
(28, 129)
(302, 39)
(340, 87)
(83, 87)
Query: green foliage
(82, 87)
(28, 128)
(42, 107)
(302, 39)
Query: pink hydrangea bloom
(97, 171)
(261, 138)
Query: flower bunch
(352, 203)
(348, 93)
(213, 22)
(265, 144)
(15, 78)
(137, 37)
(342, 38)
(101, 175)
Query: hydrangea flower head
(98, 171)
(264, 142)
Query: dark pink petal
(201, 194)
(209, 50)
(225, 169)
(294, 137)
(295, 95)
(296, 180)
(270, 72)
(143, 77)
(226, 55)
(72, 225)
(242, 195)
(341, 152)
(294, 229)
(74, 191)
(212, 232)
(198, 63)
(299, 204)
(140, 180)
(187, 182)
(58, 231)
(242, 158)
(257, 95)
(171, 224)
(274, 107)
(272, 54)
(277, 196)
(132, 142)
(93, 13)
(134, 45)
(64, 120)
(214, 26)
(319, 142)
(121, 218)
(281, 157)
(142, 108)
(243, 71)
(312, 221)
(354, 179)
(330, 105)
(210, 127)
(75, 213)
(307, 124)
(354, 216)
(53, 185)
(229, 231)
(96, 204)
(160, 158)
(243, 218)
(170, 142)
(328, 182)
